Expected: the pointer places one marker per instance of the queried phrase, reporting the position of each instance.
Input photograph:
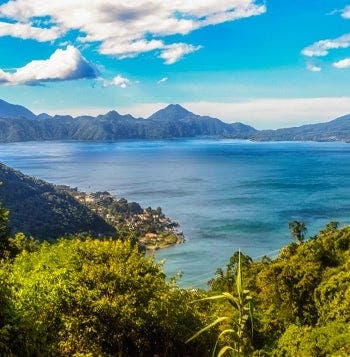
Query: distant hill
(19, 124)
(335, 130)
(8, 110)
(39, 209)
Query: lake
(226, 194)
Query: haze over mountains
(17, 123)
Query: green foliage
(307, 286)
(89, 297)
(99, 297)
(225, 280)
(21, 243)
(236, 323)
(332, 339)
(298, 230)
(4, 229)
(40, 210)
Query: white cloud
(345, 63)
(264, 113)
(345, 13)
(118, 80)
(129, 49)
(314, 68)
(63, 65)
(124, 28)
(3, 77)
(322, 48)
(176, 51)
(162, 80)
(27, 31)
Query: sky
(267, 63)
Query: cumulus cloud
(27, 31)
(63, 65)
(314, 68)
(162, 80)
(345, 13)
(125, 28)
(176, 51)
(344, 63)
(118, 81)
(322, 48)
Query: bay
(226, 194)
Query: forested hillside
(105, 298)
(47, 211)
(41, 210)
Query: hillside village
(152, 228)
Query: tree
(101, 297)
(225, 280)
(331, 227)
(4, 229)
(236, 322)
(298, 230)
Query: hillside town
(150, 227)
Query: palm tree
(298, 230)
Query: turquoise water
(226, 194)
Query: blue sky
(267, 63)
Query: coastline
(150, 227)
(156, 243)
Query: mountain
(40, 209)
(174, 121)
(335, 130)
(242, 131)
(8, 110)
(171, 112)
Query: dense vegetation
(302, 297)
(98, 297)
(19, 124)
(47, 211)
(41, 210)
(104, 297)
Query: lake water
(226, 194)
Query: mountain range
(18, 123)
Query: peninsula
(48, 212)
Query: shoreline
(152, 228)
(180, 239)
